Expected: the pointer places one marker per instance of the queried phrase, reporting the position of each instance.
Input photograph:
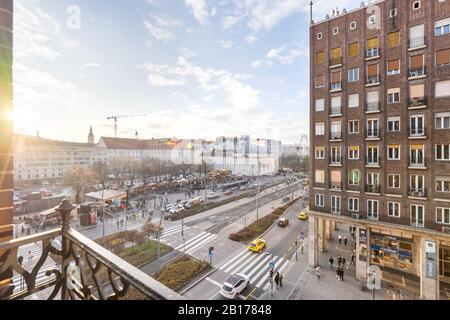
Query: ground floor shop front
(415, 261)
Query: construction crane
(123, 117)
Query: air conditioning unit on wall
(414, 74)
(446, 230)
(355, 216)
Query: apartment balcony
(417, 133)
(336, 86)
(417, 43)
(417, 73)
(373, 81)
(371, 188)
(336, 136)
(336, 112)
(373, 134)
(336, 62)
(373, 53)
(417, 103)
(417, 192)
(102, 275)
(372, 107)
(417, 164)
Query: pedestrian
(339, 260)
(342, 274)
(30, 257)
(343, 262)
(318, 273)
(338, 273)
(353, 258)
(340, 239)
(281, 280)
(345, 240)
(277, 279)
(331, 262)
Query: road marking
(252, 264)
(165, 234)
(265, 261)
(264, 278)
(191, 244)
(265, 269)
(214, 282)
(245, 256)
(283, 266)
(231, 261)
(193, 239)
(211, 237)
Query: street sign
(272, 264)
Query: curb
(190, 286)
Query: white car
(235, 284)
(212, 195)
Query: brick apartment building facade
(380, 137)
(6, 152)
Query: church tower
(91, 136)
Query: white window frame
(442, 116)
(351, 126)
(322, 131)
(373, 214)
(353, 75)
(349, 99)
(393, 12)
(335, 31)
(336, 204)
(394, 153)
(416, 220)
(415, 3)
(445, 212)
(353, 204)
(352, 155)
(319, 106)
(397, 209)
(394, 177)
(353, 25)
(319, 153)
(446, 157)
(319, 36)
(441, 181)
(393, 120)
(320, 200)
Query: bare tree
(79, 177)
(101, 171)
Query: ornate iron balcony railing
(85, 271)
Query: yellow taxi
(257, 245)
(303, 215)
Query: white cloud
(226, 44)
(284, 55)
(251, 39)
(161, 27)
(199, 10)
(92, 65)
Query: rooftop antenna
(311, 12)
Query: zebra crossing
(191, 245)
(41, 277)
(256, 266)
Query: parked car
(243, 188)
(286, 199)
(235, 284)
(212, 195)
(228, 192)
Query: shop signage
(362, 245)
(430, 252)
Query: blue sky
(191, 68)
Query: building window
(393, 124)
(442, 89)
(442, 27)
(417, 66)
(416, 5)
(443, 120)
(319, 81)
(417, 95)
(373, 49)
(353, 25)
(353, 49)
(335, 205)
(372, 19)
(336, 131)
(320, 57)
(320, 105)
(373, 101)
(393, 152)
(442, 152)
(373, 74)
(336, 180)
(393, 13)
(394, 181)
(353, 204)
(393, 67)
(372, 209)
(442, 184)
(394, 209)
(320, 129)
(335, 31)
(443, 215)
(320, 153)
(442, 57)
(417, 215)
(353, 100)
(417, 128)
(336, 103)
(319, 36)
(320, 176)
(372, 155)
(336, 155)
(353, 75)
(353, 126)
(353, 153)
(417, 36)
(394, 39)
(336, 57)
(336, 80)
(393, 95)
(354, 176)
(373, 128)
(320, 200)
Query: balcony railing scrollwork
(86, 270)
